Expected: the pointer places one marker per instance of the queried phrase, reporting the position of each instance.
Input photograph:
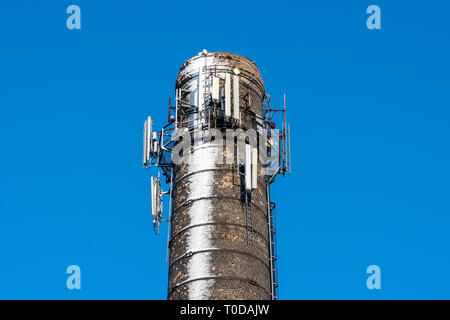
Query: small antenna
(148, 148)
(156, 202)
(289, 146)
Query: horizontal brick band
(210, 169)
(216, 223)
(190, 254)
(214, 197)
(250, 281)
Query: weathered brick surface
(239, 253)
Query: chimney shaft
(219, 238)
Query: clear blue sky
(369, 112)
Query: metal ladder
(272, 245)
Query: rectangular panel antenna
(155, 142)
(201, 89)
(153, 196)
(227, 95)
(148, 126)
(156, 200)
(254, 168)
(144, 160)
(236, 111)
(215, 88)
(248, 167)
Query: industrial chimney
(221, 240)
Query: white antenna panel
(155, 142)
(156, 200)
(254, 168)
(144, 160)
(227, 95)
(248, 167)
(236, 113)
(215, 88)
(201, 89)
(153, 196)
(148, 126)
